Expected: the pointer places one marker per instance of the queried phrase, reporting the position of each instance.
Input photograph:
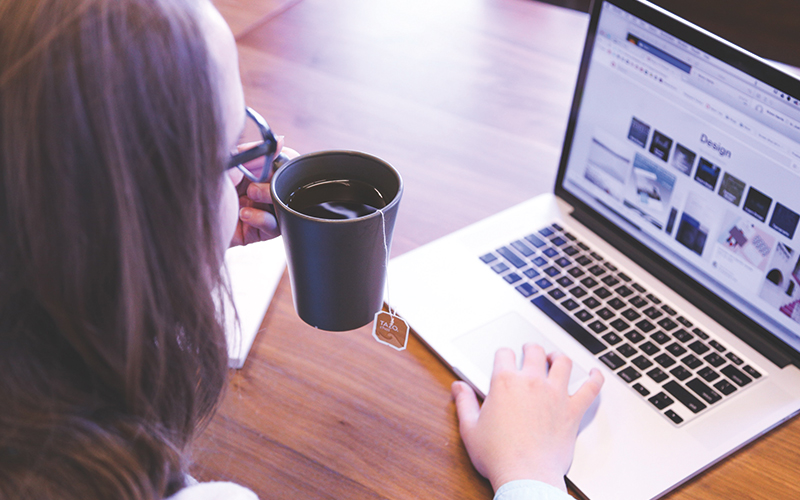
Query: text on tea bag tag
(389, 328)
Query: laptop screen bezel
(718, 309)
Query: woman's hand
(528, 424)
(256, 214)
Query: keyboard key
(522, 248)
(698, 347)
(680, 373)
(596, 256)
(551, 271)
(570, 251)
(684, 396)
(725, 387)
(660, 337)
(737, 376)
(591, 302)
(588, 282)
(612, 360)
(546, 231)
(652, 298)
(510, 256)
(637, 301)
(640, 389)
(500, 268)
(597, 270)
(716, 345)
(526, 289)
(630, 314)
(616, 303)
(623, 277)
(577, 291)
(610, 280)
(707, 393)
(576, 272)
(645, 326)
(531, 272)
(597, 327)
(675, 349)
(639, 288)
(583, 260)
(642, 362)
(543, 283)
(700, 333)
(751, 371)
(649, 348)
(673, 416)
(652, 313)
(657, 375)
(667, 309)
(664, 360)
(569, 236)
(602, 292)
(667, 324)
(626, 350)
(535, 240)
(685, 322)
(661, 400)
(555, 226)
(708, 374)
(715, 360)
(570, 305)
(691, 361)
(539, 261)
(563, 262)
(612, 338)
(634, 336)
(583, 246)
(557, 293)
(629, 374)
(512, 277)
(624, 290)
(589, 341)
(550, 252)
(610, 266)
(564, 281)
(734, 358)
(558, 241)
(605, 313)
(683, 335)
(489, 257)
(619, 325)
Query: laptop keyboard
(679, 368)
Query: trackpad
(513, 331)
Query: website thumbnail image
(703, 210)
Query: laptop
(668, 256)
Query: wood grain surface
(469, 100)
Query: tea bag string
(386, 266)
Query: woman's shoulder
(217, 490)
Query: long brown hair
(112, 353)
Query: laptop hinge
(736, 322)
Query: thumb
(467, 406)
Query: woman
(117, 120)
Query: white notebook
(254, 271)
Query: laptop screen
(694, 157)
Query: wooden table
(469, 100)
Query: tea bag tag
(391, 330)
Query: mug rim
(395, 200)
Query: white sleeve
(529, 490)
(214, 491)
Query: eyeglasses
(268, 149)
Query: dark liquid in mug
(336, 199)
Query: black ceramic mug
(337, 267)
